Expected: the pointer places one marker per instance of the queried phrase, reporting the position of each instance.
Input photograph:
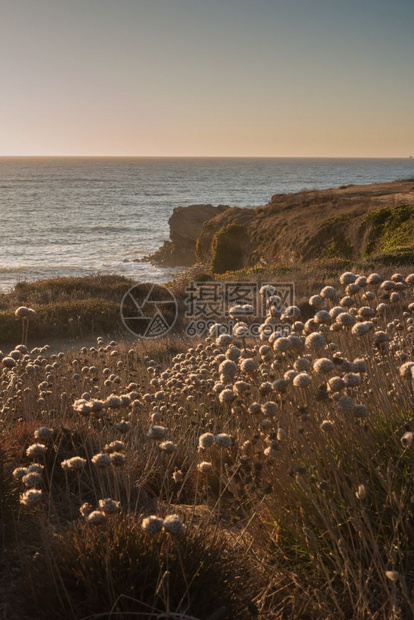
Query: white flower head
(206, 440)
(31, 497)
(96, 517)
(152, 525)
(36, 449)
(223, 440)
(173, 524)
(109, 506)
(102, 459)
(204, 467)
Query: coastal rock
(349, 223)
(185, 227)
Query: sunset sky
(207, 77)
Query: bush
(116, 568)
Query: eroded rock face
(350, 222)
(185, 227)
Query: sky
(246, 78)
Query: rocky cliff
(352, 222)
(185, 228)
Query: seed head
(206, 440)
(32, 479)
(102, 459)
(156, 432)
(361, 492)
(117, 459)
(167, 446)
(86, 509)
(36, 449)
(223, 440)
(76, 463)
(173, 524)
(96, 517)
(109, 506)
(407, 439)
(204, 467)
(43, 433)
(152, 525)
(31, 497)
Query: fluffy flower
(249, 365)
(345, 319)
(86, 509)
(323, 365)
(327, 425)
(36, 449)
(347, 278)
(96, 517)
(328, 292)
(226, 396)
(316, 301)
(223, 440)
(173, 524)
(123, 426)
(19, 472)
(316, 340)
(152, 525)
(204, 467)
(32, 479)
(228, 367)
(168, 446)
(406, 440)
(206, 440)
(156, 432)
(31, 497)
(302, 380)
(361, 329)
(352, 379)
(43, 433)
(101, 459)
(323, 317)
(345, 404)
(76, 463)
(336, 384)
(109, 506)
(117, 458)
(114, 446)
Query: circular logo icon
(149, 310)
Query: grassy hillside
(351, 223)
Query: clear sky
(207, 77)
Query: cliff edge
(351, 222)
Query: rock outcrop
(185, 228)
(351, 222)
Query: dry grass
(305, 512)
(66, 307)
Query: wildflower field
(216, 478)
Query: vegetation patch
(65, 307)
(391, 233)
(229, 248)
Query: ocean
(83, 215)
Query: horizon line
(213, 156)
